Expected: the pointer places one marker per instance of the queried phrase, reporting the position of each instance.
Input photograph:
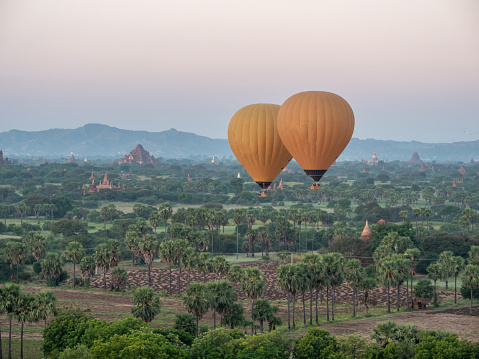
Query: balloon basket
(315, 186)
(263, 194)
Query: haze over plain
(409, 69)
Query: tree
(180, 247)
(196, 301)
(36, 244)
(119, 278)
(87, 268)
(10, 293)
(304, 282)
(148, 246)
(220, 265)
(154, 219)
(434, 272)
(52, 266)
(403, 215)
(115, 252)
(5, 210)
(203, 264)
(147, 304)
(387, 272)
(263, 311)
(235, 274)
(402, 274)
(253, 285)
(222, 296)
(168, 255)
(354, 274)
(459, 264)
(334, 264)
(22, 210)
(105, 214)
(75, 253)
(24, 311)
(165, 211)
(45, 305)
(131, 241)
(102, 257)
(16, 254)
(446, 259)
(286, 281)
(367, 284)
(470, 279)
(412, 254)
(190, 260)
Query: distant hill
(109, 142)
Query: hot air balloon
(254, 140)
(315, 127)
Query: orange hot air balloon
(315, 127)
(254, 139)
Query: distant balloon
(254, 139)
(315, 127)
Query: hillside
(110, 142)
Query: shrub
(186, 322)
(212, 344)
(55, 282)
(466, 293)
(317, 343)
(180, 335)
(80, 352)
(424, 289)
(37, 267)
(261, 346)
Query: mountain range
(102, 141)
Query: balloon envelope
(315, 127)
(254, 139)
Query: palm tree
(354, 274)
(24, 311)
(211, 219)
(181, 245)
(52, 266)
(190, 260)
(285, 275)
(10, 293)
(402, 267)
(154, 219)
(45, 305)
(102, 257)
(263, 311)
(115, 252)
(426, 211)
(311, 260)
(447, 261)
(203, 264)
(168, 255)
(334, 264)
(16, 254)
(5, 210)
(222, 297)
(387, 273)
(417, 213)
(37, 209)
(119, 278)
(403, 215)
(304, 283)
(36, 244)
(196, 301)
(434, 271)
(87, 268)
(253, 286)
(131, 241)
(367, 284)
(105, 214)
(412, 254)
(458, 267)
(220, 265)
(22, 209)
(165, 211)
(75, 253)
(235, 274)
(470, 279)
(147, 304)
(148, 246)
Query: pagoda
(366, 234)
(139, 156)
(105, 184)
(72, 159)
(462, 170)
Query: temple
(140, 156)
(72, 159)
(415, 159)
(374, 160)
(5, 161)
(105, 184)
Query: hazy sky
(409, 69)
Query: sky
(409, 69)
